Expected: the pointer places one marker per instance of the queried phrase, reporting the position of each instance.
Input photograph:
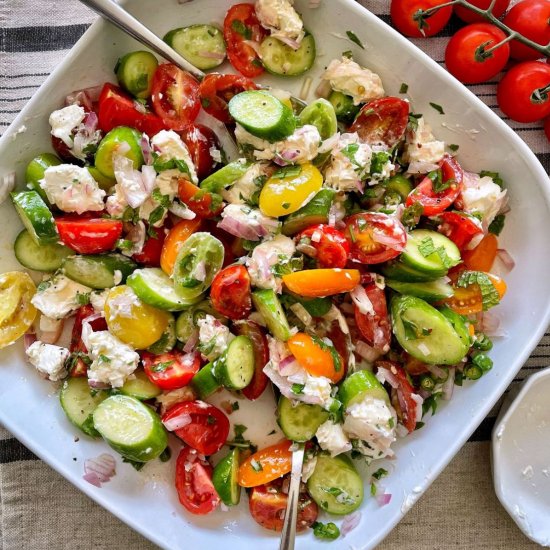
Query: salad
(342, 258)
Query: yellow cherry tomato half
(283, 194)
(317, 357)
(314, 283)
(266, 465)
(132, 321)
(16, 311)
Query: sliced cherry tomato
(404, 404)
(330, 245)
(375, 327)
(200, 140)
(461, 228)
(434, 203)
(230, 292)
(374, 237)
(172, 370)
(261, 357)
(413, 366)
(175, 96)
(267, 504)
(115, 108)
(465, 56)
(402, 15)
(152, 249)
(382, 121)
(241, 24)
(196, 491)
(89, 235)
(469, 16)
(198, 200)
(266, 465)
(216, 90)
(208, 429)
(174, 241)
(314, 283)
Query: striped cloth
(40, 510)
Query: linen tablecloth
(41, 510)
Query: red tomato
(216, 90)
(459, 227)
(175, 96)
(464, 55)
(402, 14)
(267, 504)
(241, 24)
(199, 140)
(523, 93)
(529, 18)
(331, 246)
(115, 108)
(382, 121)
(230, 292)
(547, 128)
(152, 249)
(374, 237)
(196, 491)
(89, 235)
(261, 357)
(434, 203)
(402, 399)
(171, 370)
(198, 200)
(469, 16)
(375, 327)
(208, 429)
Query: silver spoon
(288, 534)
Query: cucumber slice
(459, 324)
(432, 264)
(135, 73)
(397, 270)
(280, 59)
(130, 428)
(195, 42)
(109, 145)
(99, 271)
(343, 105)
(204, 382)
(35, 172)
(36, 217)
(104, 182)
(359, 385)
(167, 341)
(314, 212)
(399, 184)
(186, 323)
(226, 176)
(300, 421)
(225, 477)
(263, 115)
(431, 291)
(79, 403)
(270, 308)
(425, 333)
(235, 368)
(140, 387)
(320, 113)
(155, 288)
(335, 485)
(40, 257)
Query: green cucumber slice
(186, 323)
(399, 184)
(459, 324)
(320, 113)
(280, 59)
(300, 421)
(109, 145)
(431, 291)
(225, 478)
(359, 385)
(343, 105)
(36, 217)
(130, 428)
(204, 382)
(235, 368)
(314, 212)
(263, 115)
(226, 176)
(335, 485)
(140, 387)
(425, 333)
(168, 339)
(397, 270)
(98, 271)
(135, 73)
(40, 257)
(104, 182)
(35, 172)
(79, 403)
(270, 308)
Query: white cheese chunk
(482, 196)
(59, 298)
(331, 438)
(170, 146)
(281, 19)
(48, 359)
(422, 150)
(65, 121)
(214, 337)
(248, 184)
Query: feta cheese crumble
(331, 438)
(58, 297)
(48, 359)
(482, 196)
(64, 121)
(422, 150)
(281, 19)
(249, 183)
(169, 146)
(214, 337)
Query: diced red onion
(93, 479)
(99, 470)
(424, 393)
(288, 365)
(289, 42)
(385, 375)
(182, 211)
(80, 97)
(7, 185)
(489, 323)
(350, 523)
(148, 177)
(192, 342)
(199, 272)
(140, 107)
(96, 385)
(255, 46)
(383, 498)
(324, 89)
(180, 421)
(123, 148)
(361, 300)
(302, 313)
(367, 352)
(419, 400)
(389, 240)
(90, 123)
(507, 260)
(448, 386)
(438, 372)
(214, 55)
(145, 145)
(329, 144)
(29, 339)
(307, 249)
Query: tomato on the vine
(403, 16)
(469, 16)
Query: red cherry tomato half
(216, 90)
(208, 427)
(331, 247)
(89, 235)
(197, 199)
(200, 140)
(175, 96)
(402, 14)
(241, 24)
(382, 121)
(434, 203)
(529, 18)
(230, 292)
(523, 92)
(196, 491)
(172, 370)
(374, 237)
(459, 227)
(152, 249)
(469, 16)
(374, 326)
(465, 58)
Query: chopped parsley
(353, 37)
(373, 489)
(163, 200)
(104, 358)
(380, 473)
(336, 359)
(235, 406)
(453, 147)
(497, 225)
(205, 102)
(348, 54)
(82, 298)
(287, 172)
(427, 248)
(411, 214)
(210, 420)
(172, 164)
(130, 215)
(161, 367)
(325, 531)
(256, 465)
(495, 176)
(44, 285)
(124, 244)
(287, 265)
(438, 108)
(413, 120)
(238, 26)
(413, 331)
(436, 176)
(404, 88)
(489, 294)
(297, 388)
(341, 496)
(155, 216)
(378, 162)
(430, 404)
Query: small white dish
(521, 457)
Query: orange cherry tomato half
(482, 257)
(266, 465)
(197, 199)
(174, 241)
(314, 283)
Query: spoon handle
(288, 534)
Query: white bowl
(147, 500)
(521, 457)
